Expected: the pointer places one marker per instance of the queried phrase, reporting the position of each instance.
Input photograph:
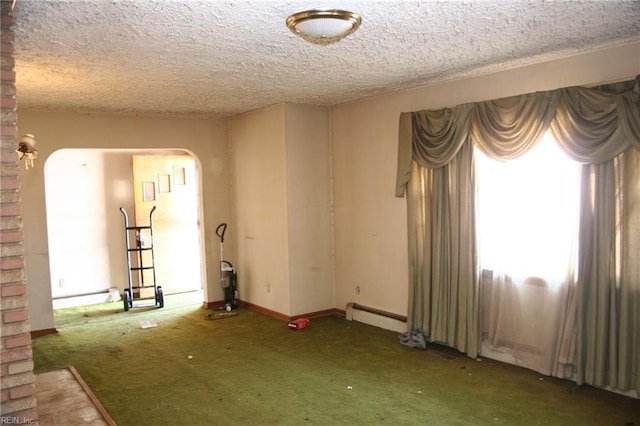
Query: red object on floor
(299, 324)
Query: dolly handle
(220, 233)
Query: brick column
(17, 388)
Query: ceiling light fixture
(323, 26)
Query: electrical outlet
(61, 282)
(357, 289)
(268, 288)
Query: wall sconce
(27, 149)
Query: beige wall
(370, 222)
(83, 189)
(260, 227)
(309, 209)
(282, 202)
(205, 139)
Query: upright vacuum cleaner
(228, 277)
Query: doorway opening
(84, 190)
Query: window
(528, 212)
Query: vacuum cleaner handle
(221, 233)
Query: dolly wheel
(159, 297)
(127, 300)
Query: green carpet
(251, 369)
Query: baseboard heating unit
(71, 301)
(376, 317)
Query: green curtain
(599, 127)
(629, 270)
(445, 310)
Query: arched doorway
(84, 190)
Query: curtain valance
(592, 125)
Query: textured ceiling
(219, 58)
